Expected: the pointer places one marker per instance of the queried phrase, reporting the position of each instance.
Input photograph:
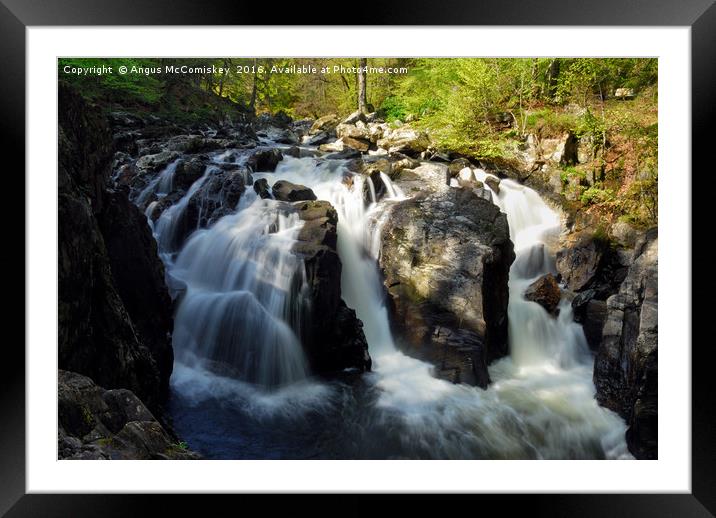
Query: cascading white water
(243, 289)
(166, 228)
(161, 185)
(242, 283)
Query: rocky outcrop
(330, 331)
(265, 160)
(103, 331)
(95, 423)
(545, 292)
(445, 257)
(625, 368)
(286, 191)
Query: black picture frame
(16, 15)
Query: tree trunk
(362, 97)
(252, 105)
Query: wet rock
(293, 151)
(545, 292)
(189, 171)
(95, 423)
(286, 191)
(261, 187)
(155, 162)
(446, 258)
(331, 333)
(625, 367)
(265, 160)
(493, 182)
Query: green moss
(87, 416)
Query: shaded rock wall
(114, 325)
(625, 369)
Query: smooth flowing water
(241, 289)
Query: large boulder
(545, 292)
(331, 333)
(355, 143)
(265, 160)
(103, 331)
(579, 264)
(95, 423)
(357, 131)
(286, 191)
(405, 140)
(155, 162)
(326, 124)
(189, 171)
(625, 368)
(446, 257)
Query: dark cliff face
(446, 258)
(625, 368)
(114, 311)
(331, 332)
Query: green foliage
(596, 195)
(393, 108)
(141, 88)
(479, 107)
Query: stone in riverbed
(405, 140)
(261, 187)
(354, 143)
(326, 124)
(286, 191)
(332, 334)
(265, 160)
(493, 182)
(445, 257)
(545, 292)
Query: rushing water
(240, 293)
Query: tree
(362, 97)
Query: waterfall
(239, 292)
(161, 185)
(244, 287)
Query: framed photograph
(395, 258)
